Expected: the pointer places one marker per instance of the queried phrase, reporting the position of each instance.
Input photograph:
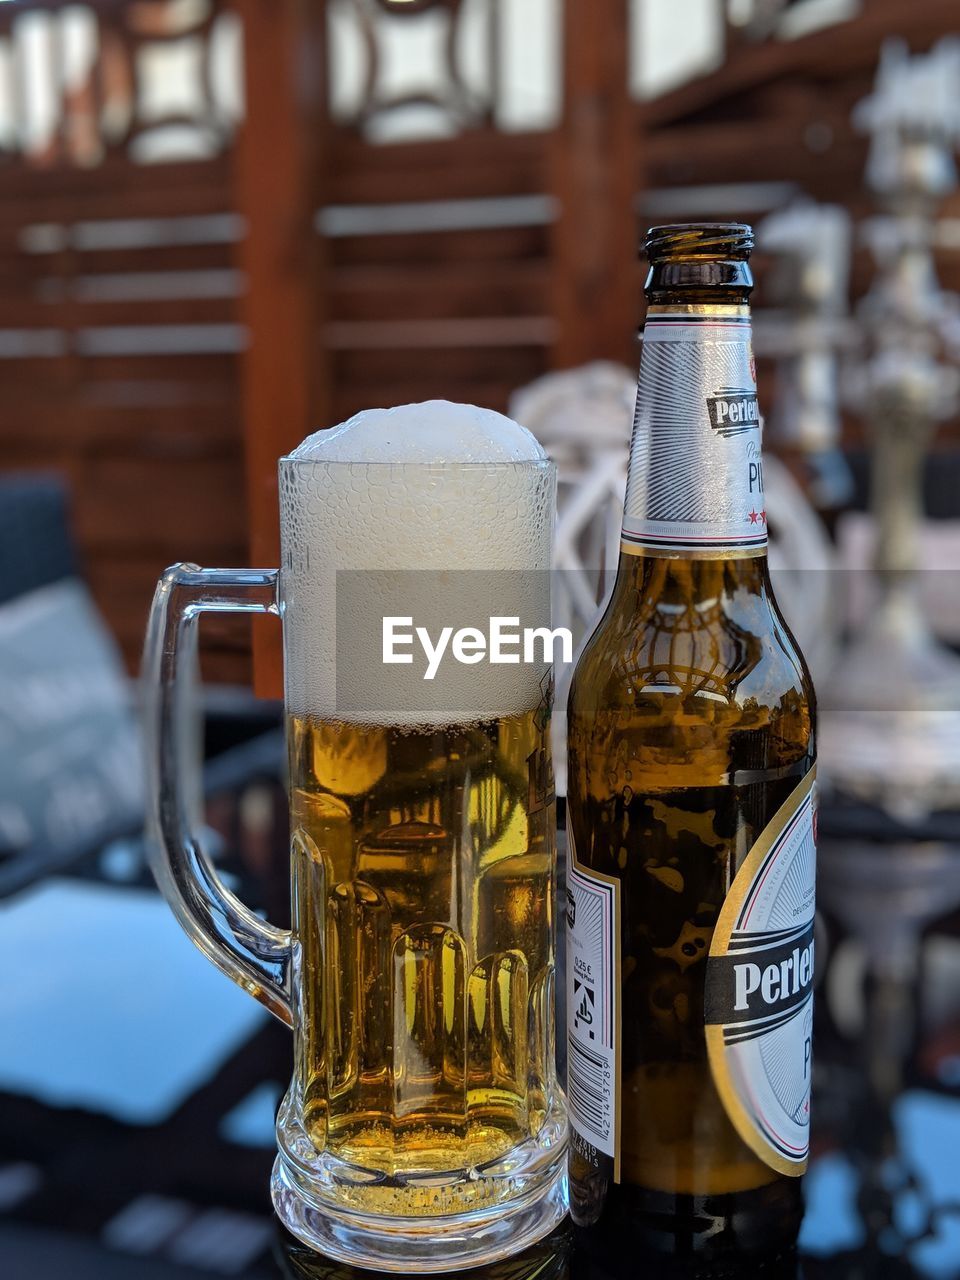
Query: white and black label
(696, 477)
(758, 997)
(593, 1016)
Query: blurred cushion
(35, 544)
(70, 758)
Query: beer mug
(424, 1128)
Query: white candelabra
(891, 730)
(805, 327)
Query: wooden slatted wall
(119, 351)
(460, 268)
(460, 312)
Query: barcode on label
(587, 1090)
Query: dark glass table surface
(138, 1088)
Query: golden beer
(423, 900)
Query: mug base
(447, 1243)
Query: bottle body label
(758, 995)
(695, 484)
(593, 1015)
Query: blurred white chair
(583, 418)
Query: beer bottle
(690, 819)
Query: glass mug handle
(255, 954)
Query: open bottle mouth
(692, 240)
(699, 262)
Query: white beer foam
(435, 431)
(373, 494)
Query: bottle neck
(695, 484)
(680, 583)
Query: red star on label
(763, 517)
(754, 517)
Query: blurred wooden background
(168, 327)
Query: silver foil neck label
(696, 477)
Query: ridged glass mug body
(423, 852)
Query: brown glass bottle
(690, 817)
